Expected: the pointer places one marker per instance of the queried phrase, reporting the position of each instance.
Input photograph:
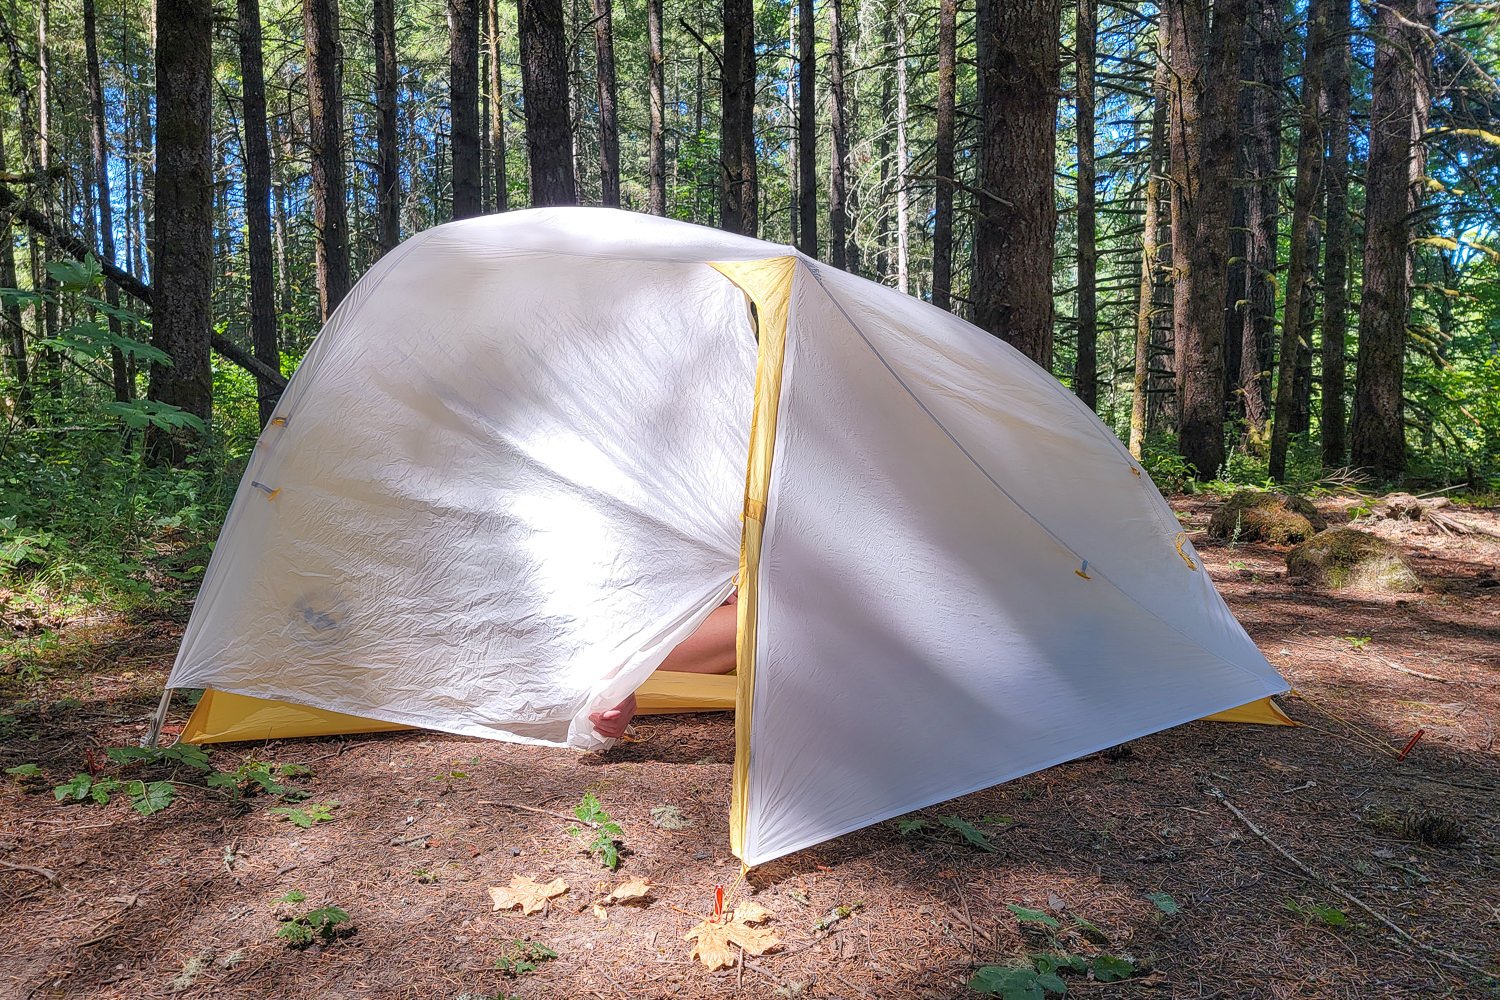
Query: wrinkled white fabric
(507, 479)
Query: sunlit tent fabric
(531, 452)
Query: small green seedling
(299, 930)
(518, 957)
(910, 826)
(1165, 903)
(306, 815)
(1328, 916)
(609, 837)
(1359, 642)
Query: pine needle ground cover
(1120, 875)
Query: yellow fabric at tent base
(226, 718)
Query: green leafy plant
(608, 835)
(1028, 916)
(1165, 903)
(518, 957)
(950, 829)
(298, 930)
(1044, 973)
(1358, 642)
(1328, 916)
(147, 797)
(307, 814)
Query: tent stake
(154, 732)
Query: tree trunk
(807, 129)
(1335, 115)
(544, 86)
(501, 180)
(1303, 242)
(838, 193)
(1145, 306)
(325, 133)
(387, 150)
(257, 149)
(99, 150)
(943, 157)
(1086, 374)
(1398, 117)
(1205, 83)
(738, 205)
(10, 309)
(903, 199)
(51, 362)
(463, 105)
(609, 131)
(656, 168)
(182, 317)
(1263, 159)
(1019, 67)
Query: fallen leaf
(669, 817)
(601, 913)
(629, 892)
(713, 942)
(526, 894)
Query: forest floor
(97, 901)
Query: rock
(1259, 516)
(1350, 559)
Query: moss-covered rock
(1258, 516)
(1350, 559)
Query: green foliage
(1322, 913)
(1168, 470)
(147, 797)
(308, 813)
(959, 828)
(1028, 916)
(608, 836)
(23, 771)
(1165, 903)
(1044, 974)
(326, 923)
(518, 957)
(1357, 642)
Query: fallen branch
(540, 812)
(1313, 876)
(50, 876)
(129, 283)
(1408, 670)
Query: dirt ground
(100, 902)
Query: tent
(531, 452)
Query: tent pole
(154, 732)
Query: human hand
(613, 723)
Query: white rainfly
(511, 475)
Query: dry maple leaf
(713, 942)
(629, 892)
(527, 894)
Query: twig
(1315, 877)
(50, 876)
(1408, 670)
(539, 812)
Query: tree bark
(387, 150)
(257, 150)
(463, 106)
(544, 86)
(10, 309)
(1202, 46)
(1335, 115)
(943, 155)
(183, 235)
(838, 193)
(738, 197)
(1086, 372)
(501, 180)
(1263, 147)
(1304, 236)
(656, 168)
(609, 131)
(903, 198)
(42, 255)
(99, 150)
(1398, 117)
(1019, 67)
(807, 129)
(325, 133)
(1145, 306)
